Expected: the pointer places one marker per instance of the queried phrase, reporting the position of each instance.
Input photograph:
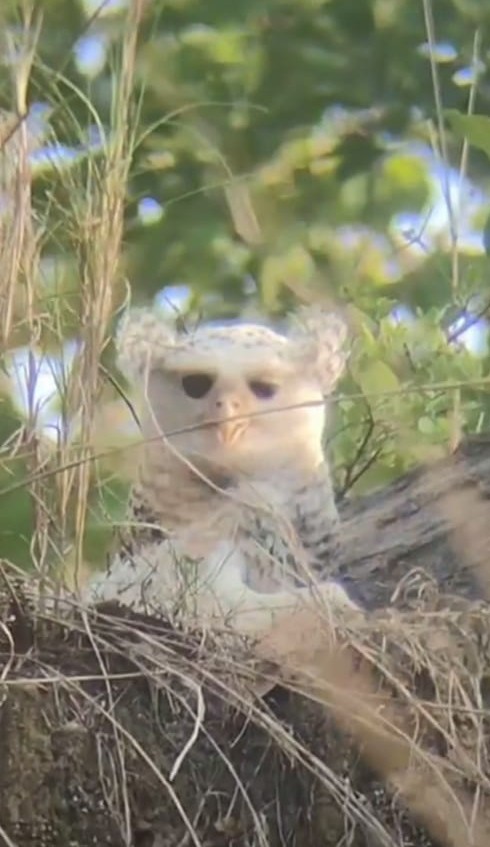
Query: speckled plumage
(233, 517)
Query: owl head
(242, 398)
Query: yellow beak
(229, 431)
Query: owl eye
(197, 385)
(263, 390)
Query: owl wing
(316, 522)
(298, 544)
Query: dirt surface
(106, 740)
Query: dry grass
(59, 476)
(408, 687)
(406, 690)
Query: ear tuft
(143, 341)
(318, 344)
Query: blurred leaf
(426, 425)
(294, 267)
(474, 128)
(376, 378)
(242, 213)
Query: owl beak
(228, 428)
(230, 431)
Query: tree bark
(435, 520)
(117, 730)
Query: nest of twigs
(121, 730)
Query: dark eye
(197, 385)
(262, 390)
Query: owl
(232, 520)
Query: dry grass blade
(20, 135)
(97, 233)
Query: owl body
(233, 519)
(302, 539)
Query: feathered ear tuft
(318, 344)
(143, 341)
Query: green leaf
(475, 128)
(378, 377)
(426, 425)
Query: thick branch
(436, 519)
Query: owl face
(247, 421)
(243, 399)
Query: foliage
(281, 144)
